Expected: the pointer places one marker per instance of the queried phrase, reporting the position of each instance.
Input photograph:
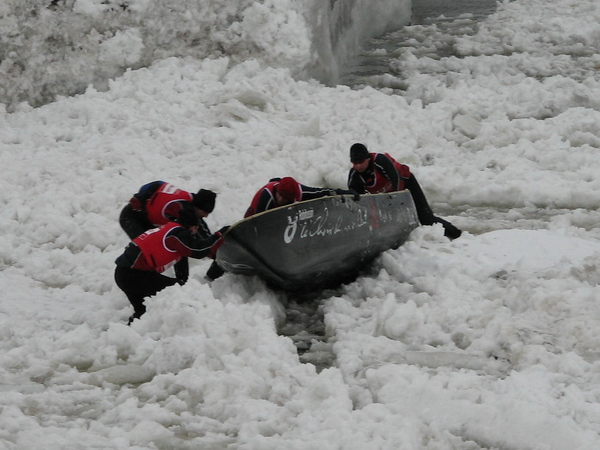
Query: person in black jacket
(157, 203)
(139, 270)
(379, 172)
(284, 191)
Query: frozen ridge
(61, 48)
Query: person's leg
(424, 211)
(138, 307)
(139, 284)
(450, 231)
(214, 271)
(133, 222)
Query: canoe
(318, 243)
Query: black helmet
(358, 152)
(204, 200)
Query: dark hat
(204, 200)
(288, 189)
(187, 215)
(358, 152)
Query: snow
(62, 47)
(488, 341)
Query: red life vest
(380, 183)
(270, 188)
(163, 197)
(154, 249)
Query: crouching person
(139, 269)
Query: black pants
(133, 222)
(214, 271)
(139, 284)
(424, 211)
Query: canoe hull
(318, 243)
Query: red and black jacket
(155, 204)
(160, 201)
(160, 248)
(265, 198)
(384, 174)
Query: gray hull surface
(318, 243)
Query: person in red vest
(139, 270)
(378, 172)
(284, 191)
(157, 203)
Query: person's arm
(355, 182)
(387, 168)
(310, 193)
(193, 245)
(203, 229)
(355, 195)
(264, 202)
(182, 271)
(172, 210)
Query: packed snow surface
(488, 341)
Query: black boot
(214, 271)
(137, 313)
(450, 231)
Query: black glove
(213, 250)
(223, 230)
(355, 195)
(214, 271)
(182, 271)
(450, 231)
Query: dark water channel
(425, 12)
(434, 25)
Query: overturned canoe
(317, 243)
